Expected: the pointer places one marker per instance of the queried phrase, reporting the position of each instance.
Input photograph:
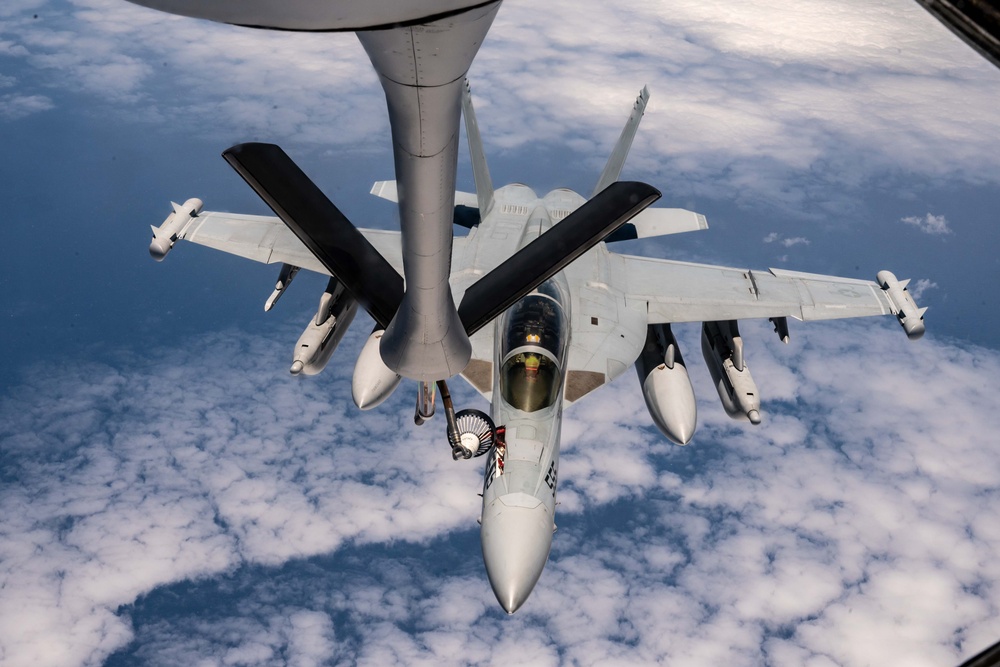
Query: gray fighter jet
(552, 315)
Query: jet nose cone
(516, 538)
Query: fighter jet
(551, 312)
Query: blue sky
(170, 495)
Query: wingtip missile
(167, 234)
(910, 316)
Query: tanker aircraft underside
(551, 314)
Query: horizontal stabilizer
(467, 212)
(388, 190)
(553, 251)
(321, 227)
(659, 222)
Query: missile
(910, 316)
(167, 234)
(322, 335)
(285, 278)
(780, 327)
(666, 386)
(722, 348)
(373, 381)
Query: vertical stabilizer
(484, 185)
(617, 160)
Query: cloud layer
(857, 524)
(196, 505)
(759, 102)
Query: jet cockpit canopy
(535, 333)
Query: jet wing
(266, 239)
(685, 292)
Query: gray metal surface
(422, 71)
(312, 15)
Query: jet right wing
(685, 292)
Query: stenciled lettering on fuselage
(550, 477)
(494, 465)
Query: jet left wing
(685, 292)
(266, 239)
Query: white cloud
(189, 489)
(15, 106)
(920, 287)
(787, 242)
(775, 237)
(935, 225)
(791, 112)
(855, 524)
